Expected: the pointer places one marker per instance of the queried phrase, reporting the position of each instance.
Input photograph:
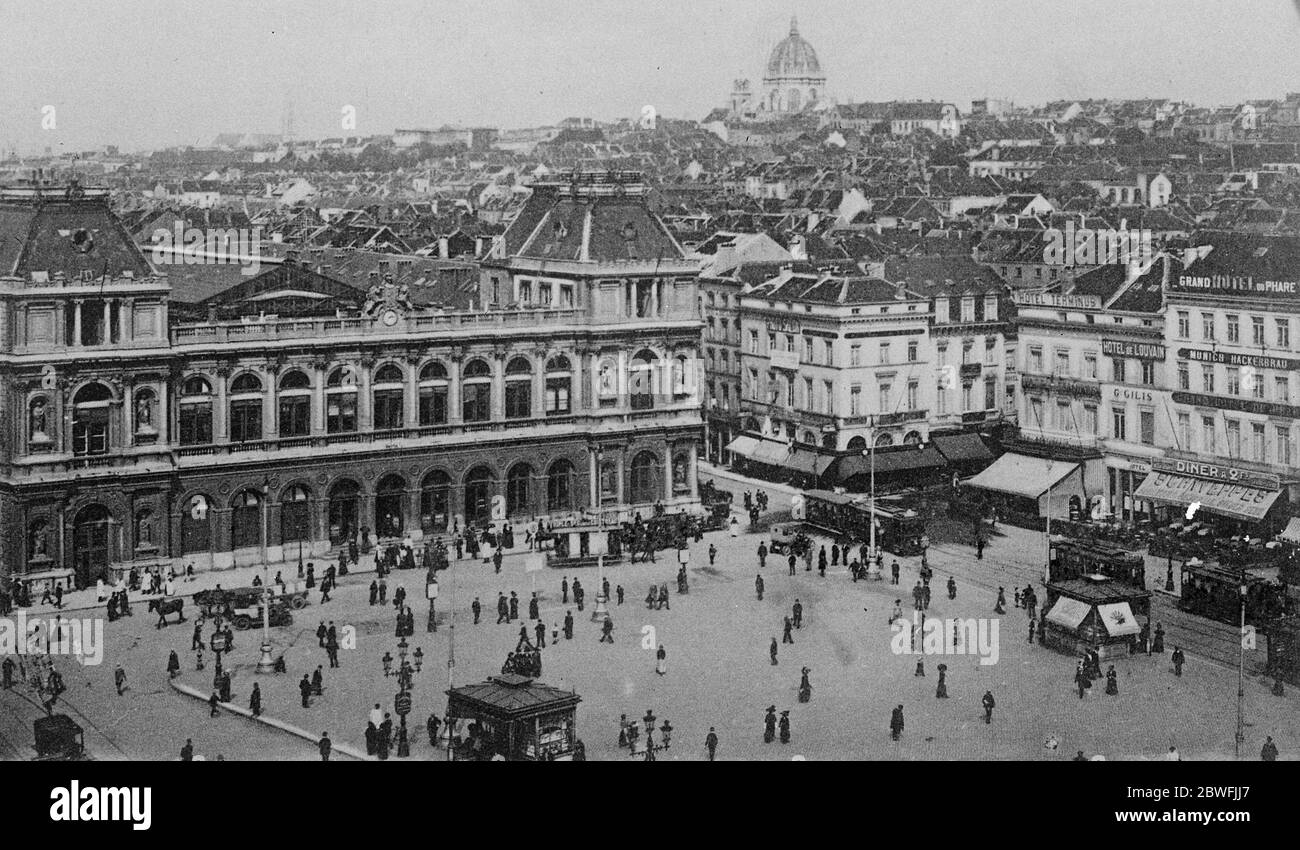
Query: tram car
(847, 516)
(1213, 591)
(1071, 559)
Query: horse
(174, 605)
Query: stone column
(539, 385)
(668, 471)
(270, 376)
(126, 319)
(411, 407)
(593, 483)
(318, 398)
(76, 321)
(621, 460)
(365, 412)
(498, 406)
(693, 470)
(453, 387)
(106, 336)
(220, 416)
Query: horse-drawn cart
(58, 738)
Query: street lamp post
(601, 610)
(650, 746)
(265, 664)
(873, 557)
(1240, 736)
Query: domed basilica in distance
(792, 81)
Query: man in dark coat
(988, 702)
(477, 608)
(896, 723)
(255, 700)
(532, 608)
(564, 590)
(304, 688)
(568, 625)
(711, 744)
(325, 746)
(541, 634)
(503, 609)
(187, 751)
(798, 614)
(514, 606)
(786, 637)
(1179, 659)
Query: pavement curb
(720, 472)
(274, 723)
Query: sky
(152, 73)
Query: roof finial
(794, 25)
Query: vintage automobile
(788, 539)
(58, 738)
(250, 617)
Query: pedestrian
(896, 723)
(786, 636)
(8, 667)
(318, 682)
(1179, 659)
(619, 592)
(607, 631)
(321, 632)
(1173, 755)
(187, 751)
(325, 746)
(661, 661)
(119, 676)
(1081, 680)
(941, 690)
(1001, 606)
(564, 590)
(713, 553)
(304, 688)
(894, 571)
(496, 560)
(785, 727)
(383, 590)
(196, 642)
(503, 609)
(792, 563)
(988, 702)
(532, 608)
(173, 665)
(772, 651)
(769, 722)
(477, 608)
(568, 625)
(1112, 681)
(952, 588)
(212, 705)
(979, 548)
(372, 738)
(762, 555)
(540, 628)
(758, 587)
(1267, 753)
(1032, 624)
(374, 591)
(1158, 642)
(797, 610)
(711, 744)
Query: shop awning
(808, 462)
(962, 447)
(772, 452)
(743, 445)
(1234, 500)
(1069, 612)
(1118, 619)
(1291, 534)
(1022, 475)
(889, 462)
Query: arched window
(245, 408)
(145, 409)
(476, 392)
(559, 486)
(295, 404)
(559, 385)
(90, 425)
(478, 495)
(913, 438)
(809, 438)
(196, 413)
(389, 397)
(857, 444)
(433, 394)
(294, 515)
(40, 419)
(196, 525)
(646, 478)
(519, 490)
(246, 520)
(341, 401)
(884, 440)
(390, 506)
(143, 530)
(435, 502)
(642, 380)
(752, 424)
(519, 388)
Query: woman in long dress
(735, 527)
(661, 666)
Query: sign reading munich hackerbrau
(1137, 350)
(1229, 358)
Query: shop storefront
(1123, 478)
(1237, 501)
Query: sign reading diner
(1218, 472)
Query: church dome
(793, 57)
